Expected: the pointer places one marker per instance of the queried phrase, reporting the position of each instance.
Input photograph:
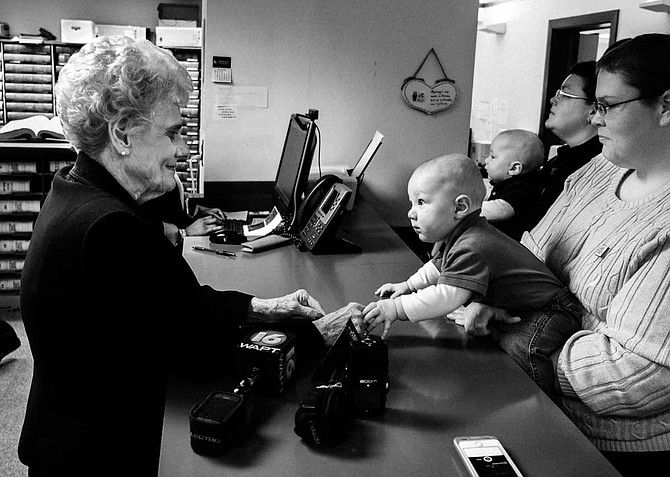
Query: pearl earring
(123, 153)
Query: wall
(509, 68)
(348, 59)
(28, 16)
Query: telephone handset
(314, 198)
(318, 217)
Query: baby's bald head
(457, 174)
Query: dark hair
(643, 62)
(586, 70)
(615, 44)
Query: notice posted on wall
(230, 100)
(226, 111)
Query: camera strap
(335, 360)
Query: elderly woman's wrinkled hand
(296, 304)
(332, 324)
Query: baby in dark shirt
(513, 167)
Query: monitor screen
(292, 174)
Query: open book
(36, 127)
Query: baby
(513, 169)
(476, 262)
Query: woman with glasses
(569, 119)
(109, 304)
(607, 237)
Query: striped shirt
(615, 258)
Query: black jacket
(553, 175)
(110, 308)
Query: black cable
(318, 135)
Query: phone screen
(328, 201)
(487, 458)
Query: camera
(367, 376)
(272, 355)
(324, 414)
(266, 363)
(216, 422)
(351, 380)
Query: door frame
(559, 59)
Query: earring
(124, 153)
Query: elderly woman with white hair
(100, 279)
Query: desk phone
(322, 223)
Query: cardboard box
(178, 11)
(177, 23)
(77, 31)
(134, 32)
(179, 36)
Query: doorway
(570, 40)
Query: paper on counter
(265, 227)
(265, 243)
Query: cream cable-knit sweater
(615, 258)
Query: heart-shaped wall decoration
(429, 99)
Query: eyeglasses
(562, 94)
(603, 108)
(173, 133)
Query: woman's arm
(620, 364)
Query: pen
(218, 252)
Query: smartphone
(484, 456)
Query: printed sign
(429, 99)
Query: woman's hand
(476, 318)
(201, 211)
(332, 324)
(298, 303)
(203, 226)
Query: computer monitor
(296, 159)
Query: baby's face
(433, 207)
(503, 153)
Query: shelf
(27, 77)
(15, 235)
(17, 215)
(10, 273)
(29, 73)
(19, 175)
(35, 145)
(190, 171)
(497, 28)
(662, 6)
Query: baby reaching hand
(392, 290)
(386, 310)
